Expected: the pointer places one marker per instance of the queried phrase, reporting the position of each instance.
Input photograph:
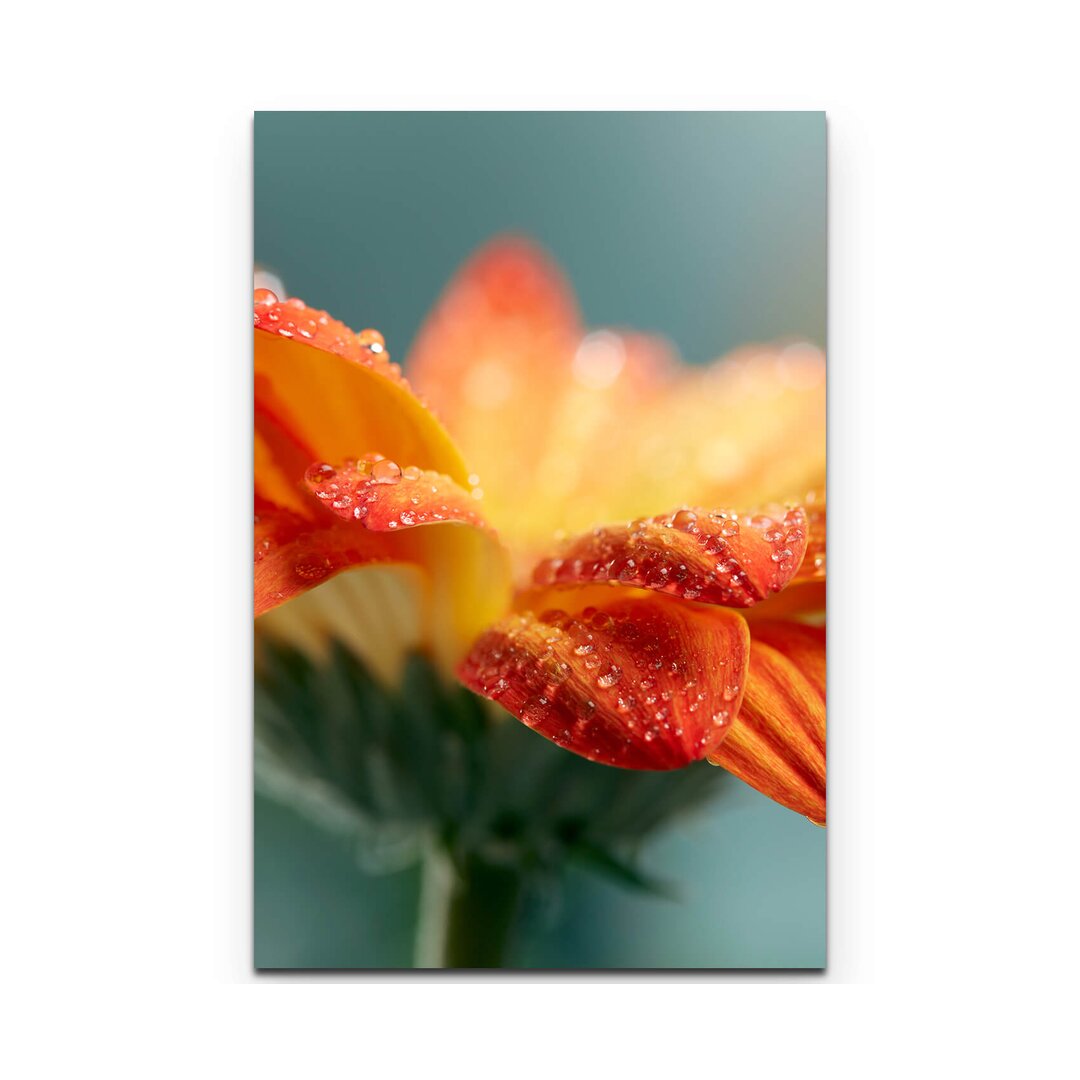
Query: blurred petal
(497, 344)
(745, 430)
(716, 557)
(625, 678)
(377, 611)
(777, 743)
(567, 428)
(494, 358)
(338, 395)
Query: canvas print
(539, 540)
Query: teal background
(706, 227)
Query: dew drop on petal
(609, 676)
(371, 340)
(385, 471)
(686, 520)
(312, 567)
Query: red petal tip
(380, 495)
(713, 556)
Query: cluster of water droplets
(620, 687)
(718, 569)
(292, 318)
(380, 494)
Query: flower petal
(747, 429)
(777, 742)
(325, 393)
(496, 342)
(381, 496)
(337, 393)
(630, 679)
(716, 557)
(496, 349)
(294, 554)
(462, 568)
(280, 462)
(616, 427)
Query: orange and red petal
(295, 553)
(499, 339)
(372, 512)
(383, 497)
(777, 742)
(337, 394)
(714, 557)
(636, 680)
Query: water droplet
(609, 677)
(371, 340)
(729, 529)
(686, 520)
(411, 472)
(385, 472)
(312, 567)
(264, 298)
(321, 473)
(407, 517)
(534, 711)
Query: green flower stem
(467, 912)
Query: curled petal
(629, 679)
(777, 743)
(293, 555)
(716, 557)
(383, 497)
(369, 513)
(337, 394)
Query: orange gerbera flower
(692, 632)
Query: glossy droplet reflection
(385, 471)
